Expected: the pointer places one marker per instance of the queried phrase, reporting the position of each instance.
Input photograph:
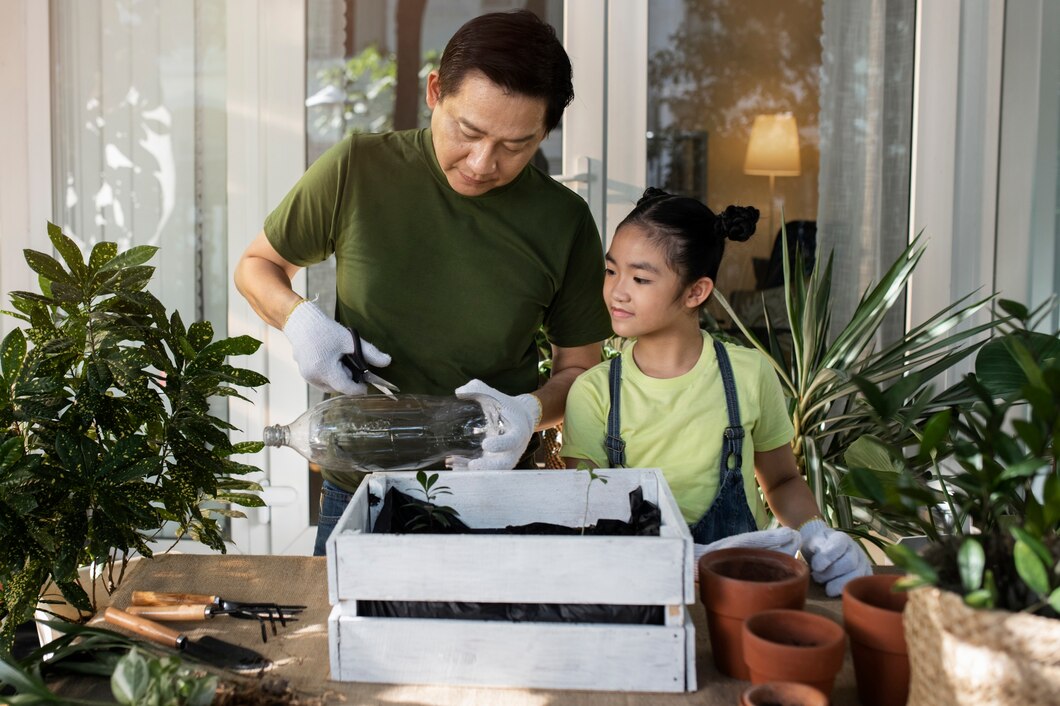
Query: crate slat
(536, 655)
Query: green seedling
(429, 513)
(593, 476)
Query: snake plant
(824, 377)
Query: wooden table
(300, 651)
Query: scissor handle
(355, 362)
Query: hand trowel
(205, 649)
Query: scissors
(357, 366)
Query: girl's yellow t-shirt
(676, 424)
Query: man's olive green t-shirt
(452, 287)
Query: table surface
(300, 651)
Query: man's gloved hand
(519, 415)
(834, 557)
(319, 342)
(780, 539)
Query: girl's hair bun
(736, 223)
(652, 194)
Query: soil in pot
(795, 646)
(734, 584)
(782, 693)
(872, 616)
(398, 513)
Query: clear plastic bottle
(377, 433)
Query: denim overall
(729, 514)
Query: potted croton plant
(107, 431)
(983, 621)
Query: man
(451, 250)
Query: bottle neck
(277, 435)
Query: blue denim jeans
(333, 501)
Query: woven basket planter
(959, 655)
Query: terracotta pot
(734, 584)
(782, 693)
(872, 616)
(793, 645)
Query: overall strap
(732, 442)
(613, 443)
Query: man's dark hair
(518, 52)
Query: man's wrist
(300, 302)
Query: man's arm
(567, 364)
(263, 277)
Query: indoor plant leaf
(1030, 568)
(971, 561)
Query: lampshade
(774, 146)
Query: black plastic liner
(399, 511)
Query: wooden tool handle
(156, 598)
(170, 612)
(144, 627)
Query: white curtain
(138, 147)
(866, 136)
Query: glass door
(683, 94)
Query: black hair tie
(736, 223)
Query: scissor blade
(384, 386)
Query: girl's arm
(573, 462)
(786, 491)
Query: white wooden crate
(515, 569)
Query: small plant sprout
(593, 476)
(429, 512)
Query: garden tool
(200, 611)
(267, 611)
(205, 649)
(357, 366)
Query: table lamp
(773, 151)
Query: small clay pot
(782, 693)
(872, 615)
(793, 645)
(734, 584)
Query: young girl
(711, 416)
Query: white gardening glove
(319, 342)
(834, 557)
(780, 539)
(519, 416)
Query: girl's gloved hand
(319, 342)
(519, 416)
(834, 557)
(780, 539)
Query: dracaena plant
(992, 469)
(106, 427)
(820, 377)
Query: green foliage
(993, 464)
(136, 677)
(106, 431)
(367, 81)
(140, 680)
(849, 393)
(428, 513)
